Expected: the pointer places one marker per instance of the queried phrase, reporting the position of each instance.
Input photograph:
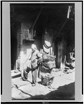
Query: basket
(47, 80)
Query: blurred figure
(35, 55)
(18, 64)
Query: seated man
(48, 63)
(47, 55)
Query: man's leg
(39, 72)
(34, 76)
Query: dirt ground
(62, 88)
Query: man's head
(46, 47)
(47, 44)
(33, 46)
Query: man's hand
(40, 60)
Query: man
(35, 55)
(48, 55)
(48, 64)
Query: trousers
(34, 76)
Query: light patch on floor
(26, 90)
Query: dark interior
(52, 17)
